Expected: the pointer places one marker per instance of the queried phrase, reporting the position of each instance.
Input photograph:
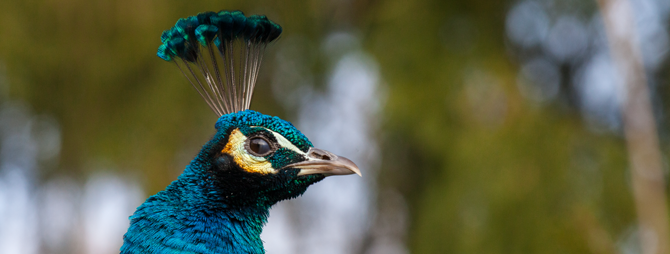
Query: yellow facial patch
(248, 162)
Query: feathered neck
(211, 208)
(191, 215)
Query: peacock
(221, 201)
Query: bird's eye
(259, 146)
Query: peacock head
(253, 159)
(256, 159)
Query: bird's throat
(170, 222)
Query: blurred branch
(639, 128)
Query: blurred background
(480, 126)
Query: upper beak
(323, 162)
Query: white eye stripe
(283, 142)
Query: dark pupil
(259, 146)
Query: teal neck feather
(190, 216)
(215, 206)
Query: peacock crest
(220, 54)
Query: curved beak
(320, 161)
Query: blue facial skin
(215, 206)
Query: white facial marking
(283, 142)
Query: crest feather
(220, 54)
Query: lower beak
(323, 162)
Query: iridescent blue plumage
(215, 206)
(220, 202)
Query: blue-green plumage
(221, 201)
(211, 27)
(215, 206)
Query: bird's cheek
(252, 165)
(283, 157)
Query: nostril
(320, 155)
